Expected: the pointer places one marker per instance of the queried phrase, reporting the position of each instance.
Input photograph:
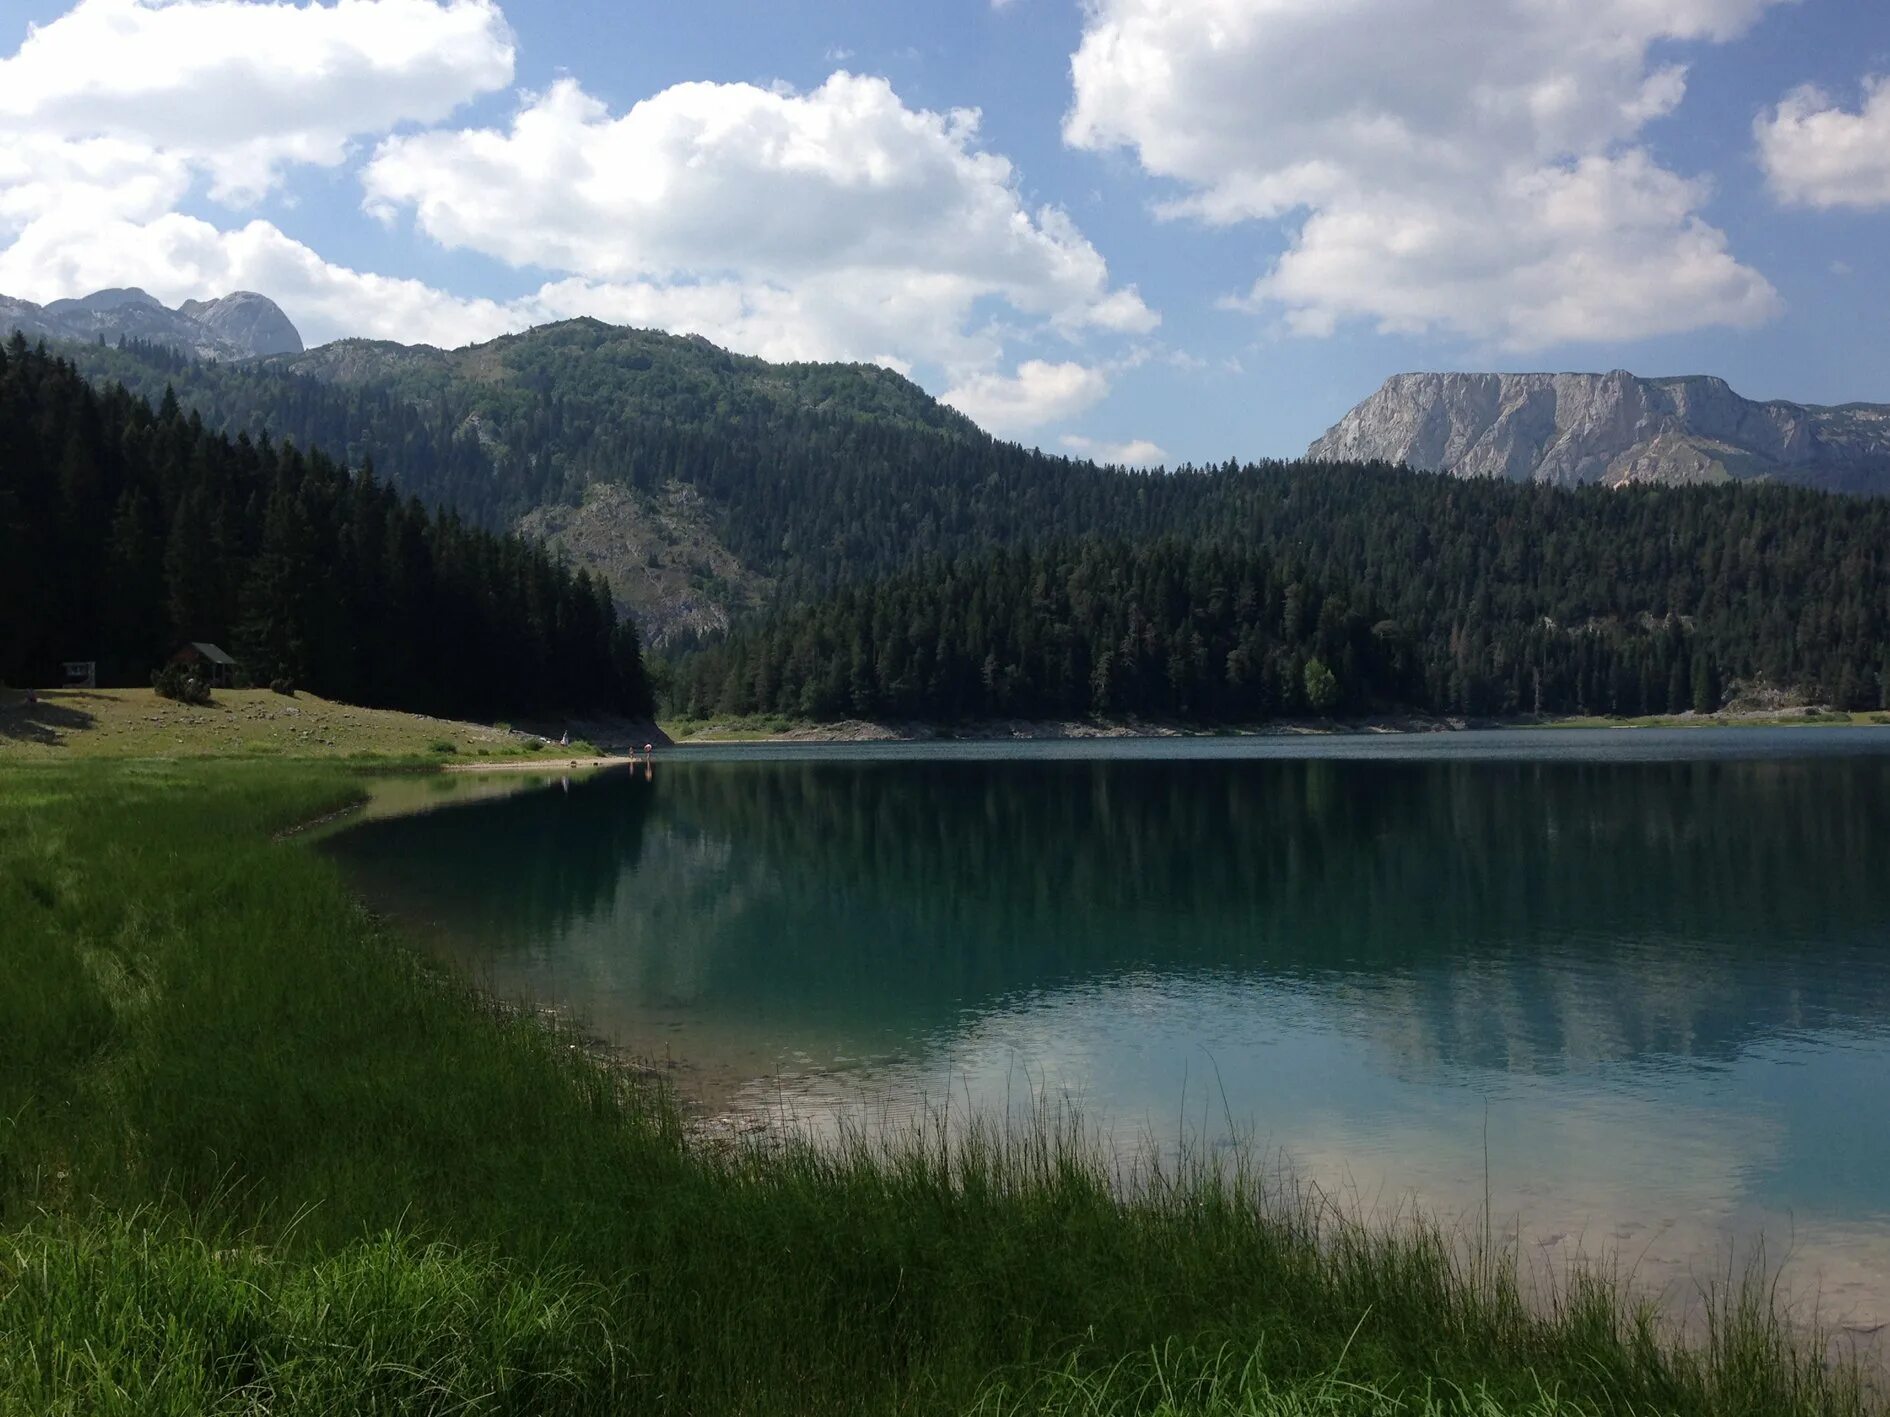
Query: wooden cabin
(209, 661)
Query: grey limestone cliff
(1611, 428)
(254, 322)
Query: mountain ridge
(521, 357)
(239, 325)
(705, 485)
(1616, 429)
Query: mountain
(717, 492)
(247, 320)
(680, 378)
(1614, 429)
(694, 479)
(242, 325)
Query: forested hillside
(779, 498)
(670, 437)
(498, 429)
(124, 531)
(1479, 599)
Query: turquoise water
(1636, 983)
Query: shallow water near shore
(1634, 986)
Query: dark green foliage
(1267, 626)
(127, 532)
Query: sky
(1138, 230)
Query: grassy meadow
(256, 1156)
(133, 723)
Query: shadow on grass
(41, 722)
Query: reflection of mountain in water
(1523, 917)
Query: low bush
(181, 683)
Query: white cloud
(1136, 452)
(240, 89)
(100, 179)
(835, 224)
(1040, 392)
(1817, 153)
(1453, 167)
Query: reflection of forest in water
(1518, 916)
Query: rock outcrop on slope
(241, 325)
(1611, 428)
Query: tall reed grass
(256, 1156)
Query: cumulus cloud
(1451, 167)
(96, 179)
(838, 223)
(1817, 153)
(240, 89)
(1038, 393)
(1136, 452)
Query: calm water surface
(1651, 969)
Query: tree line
(1234, 633)
(125, 531)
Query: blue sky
(1180, 229)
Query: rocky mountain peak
(243, 317)
(1614, 428)
(114, 299)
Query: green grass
(256, 1157)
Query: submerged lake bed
(1634, 987)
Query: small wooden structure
(209, 661)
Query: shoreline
(544, 764)
(1054, 730)
(706, 1095)
(259, 725)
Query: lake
(1636, 984)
